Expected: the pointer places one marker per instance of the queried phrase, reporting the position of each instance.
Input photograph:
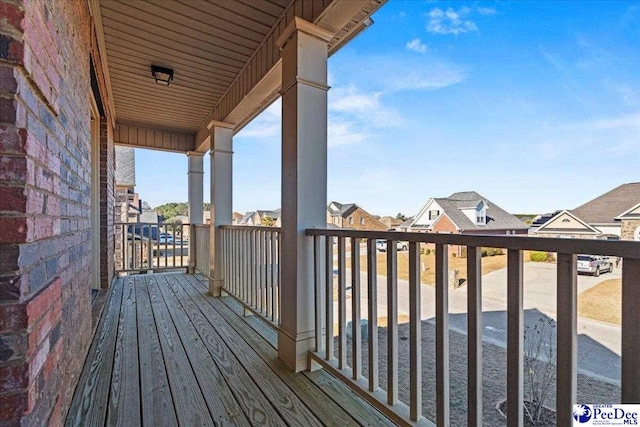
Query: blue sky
(534, 105)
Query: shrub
(537, 256)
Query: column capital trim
(215, 123)
(299, 24)
(219, 150)
(194, 153)
(305, 82)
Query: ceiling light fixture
(162, 75)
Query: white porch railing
(251, 259)
(201, 247)
(330, 263)
(151, 246)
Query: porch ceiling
(223, 53)
(206, 44)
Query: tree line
(170, 210)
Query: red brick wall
(108, 209)
(45, 206)
(444, 225)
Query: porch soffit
(219, 50)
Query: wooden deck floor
(166, 354)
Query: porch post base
(295, 353)
(215, 287)
(191, 269)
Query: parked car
(594, 264)
(165, 238)
(381, 245)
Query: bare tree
(540, 360)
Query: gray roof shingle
(603, 209)
(344, 210)
(497, 218)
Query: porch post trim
(300, 25)
(304, 52)
(195, 183)
(221, 152)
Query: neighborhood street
(598, 343)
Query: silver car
(381, 245)
(594, 264)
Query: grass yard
(602, 302)
(489, 264)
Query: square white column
(304, 182)
(221, 198)
(196, 207)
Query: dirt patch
(602, 302)
(428, 275)
(494, 376)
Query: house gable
(443, 224)
(568, 223)
(633, 213)
(428, 214)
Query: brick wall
(45, 206)
(108, 209)
(359, 214)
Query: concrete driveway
(599, 343)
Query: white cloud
(417, 46)
(450, 21)
(485, 11)
(356, 115)
(344, 133)
(430, 79)
(365, 107)
(266, 125)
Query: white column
(221, 198)
(304, 181)
(195, 186)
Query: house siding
(628, 228)
(45, 207)
(370, 223)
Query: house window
(434, 214)
(350, 220)
(361, 221)
(480, 220)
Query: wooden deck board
(157, 403)
(217, 393)
(124, 379)
(166, 354)
(250, 397)
(291, 408)
(89, 406)
(191, 408)
(306, 384)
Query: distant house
(260, 217)
(352, 216)
(235, 217)
(465, 213)
(390, 222)
(127, 200)
(613, 215)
